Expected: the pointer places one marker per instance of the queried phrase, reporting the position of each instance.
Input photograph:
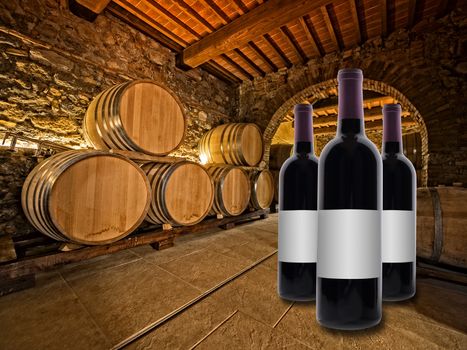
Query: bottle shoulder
(298, 163)
(397, 161)
(344, 146)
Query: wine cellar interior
(141, 146)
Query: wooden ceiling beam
(370, 125)
(144, 27)
(87, 9)
(242, 70)
(195, 15)
(253, 24)
(274, 47)
(263, 56)
(240, 6)
(248, 61)
(217, 11)
(313, 41)
(356, 20)
(173, 18)
(330, 27)
(220, 72)
(292, 42)
(148, 19)
(384, 17)
(370, 115)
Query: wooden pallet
(36, 252)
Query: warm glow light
(203, 159)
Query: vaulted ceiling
(242, 39)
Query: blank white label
(298, 231)
(349, 244)
(399, 236)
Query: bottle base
(300, 298)
(398, 297)
(351, 326)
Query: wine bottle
(298, 216)
(399, 210)
(348, 293)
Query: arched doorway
(328, 89)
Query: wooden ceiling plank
(384, 17)
(290, 40)
(250, 62)
(127, 5)
(146, 28)
(262, 56)
(330, 27)
(277, 50)
(237, 66)
(218, 12)
(253, 24)
(217, 70)
(240, 6)
(195, 15)
(310, 36)
(96, 6)
(173, 18)
(356, 20)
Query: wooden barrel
(182, 193)
(262, 189)
(87, 197)
(139, 116)
(231, 190)
(275, 175)
(442, 225)
(236, 143)
(278, 154)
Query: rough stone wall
(53, 63)
(428, 67)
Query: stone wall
(53, 63)
(428, 66)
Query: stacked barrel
(99, 196)
(278, 154)
(233, 152)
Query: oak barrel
(87, 197)
(235, 143)
(231, 190)
(182, 193)
(139, 116)
(278, 154)
(442, 225)
(262, 189)
(275, 175)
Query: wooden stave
(254, 203)
(115, 136)
(43, 178)
(278, 155)
(229, 144)
(158, 175)
(218, 173)
(275, 174)
(432, 240)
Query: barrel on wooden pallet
(231, 190)
(235, 143)
(262, 189)
(183, 193)
(87, 197)
(442, 225)
(139, 116)
(278, 154)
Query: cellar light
(203, 159)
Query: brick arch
(324, 90)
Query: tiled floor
(98, 303)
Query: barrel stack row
(97, 197)
(232, 152)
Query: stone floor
(98, 303)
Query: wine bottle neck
(303, 129)
(390, 147)
(350, 103)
